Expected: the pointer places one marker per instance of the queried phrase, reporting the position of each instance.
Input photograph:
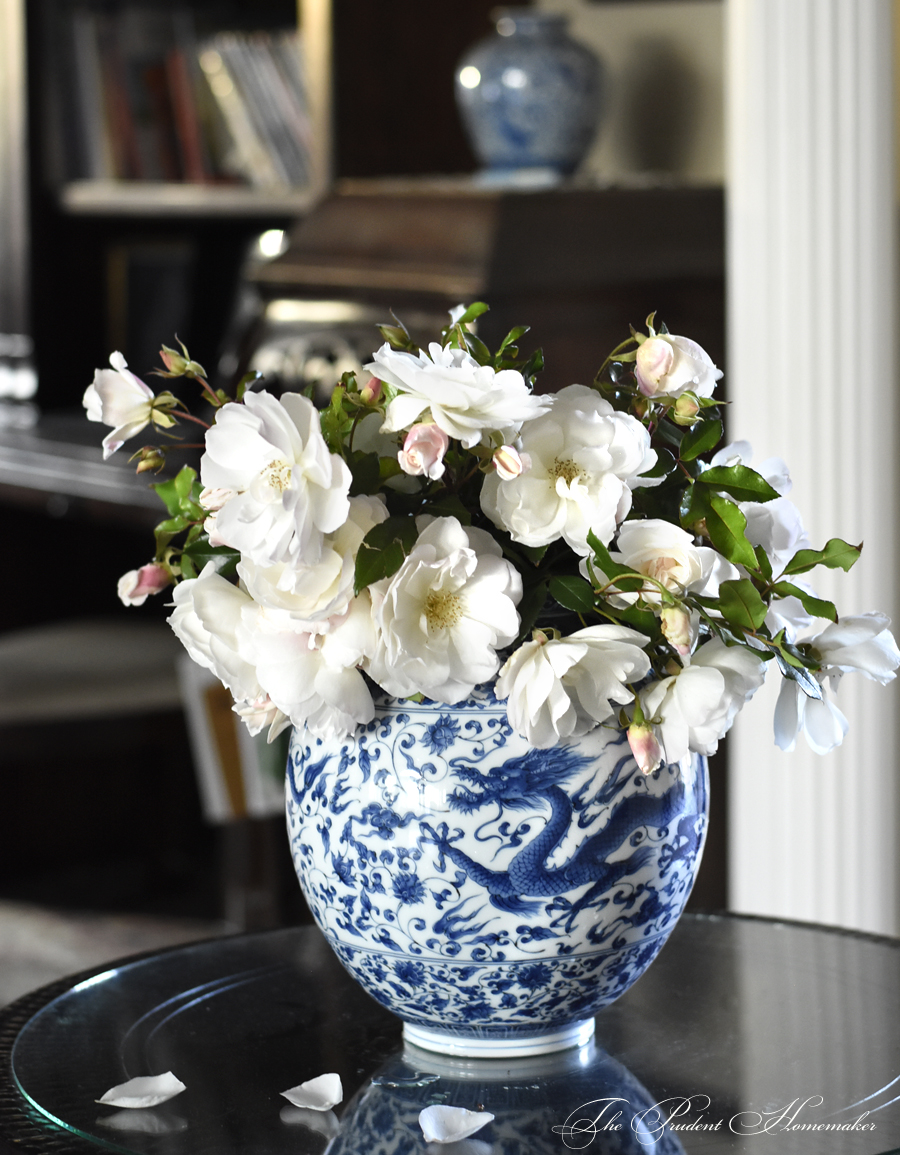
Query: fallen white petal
(442, 1124)
(461, 1147)
(319, 1094)
(144, 1091)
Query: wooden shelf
(104, 198)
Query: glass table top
(744, 1035)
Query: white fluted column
(13, 171)
(812, 378)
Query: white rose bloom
(120, 399)
(466, 399)
(290, 490)
(862, 644)
(444, 614)
(312, 594)
(585, 458)
(669, 366)
(820, 719)
(559, 688)
(667, 554)
(693, 709)
(313, 678)
(207, 620)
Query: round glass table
(745, 1035)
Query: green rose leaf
(726, 526)
(511, 337)
(799, 674)
(473, 312)
(201, 552)
(449, 505)
(705, 435)
(572, 593)
(383, 550)
(602, 560)
(837, 554)
(665, 464)
(740, 604)
(176, 493)
(642, 620)
(366, 471)
(815, 606)
(478, 349)
(533, 601)
(742, 483)
(765, 565)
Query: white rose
(584, 459)
(290, 490)
(120, 399)
(314, 678)
(862, 644)
(666, 554)
(669, 366)
(696, 707)
(311, 594)
(207, 619)
(445, 613)
(559, 688)
(465, 399)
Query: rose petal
(144, 1091)
(319, 1094)
(442, 1124)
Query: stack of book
(142, 99)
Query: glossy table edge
(24, 1129)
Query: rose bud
(423, 451)
(676, 627)
(644, 746)
(686, 409)
(510, 463)
(370, 393)
(137, 585)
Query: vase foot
(514, 1046)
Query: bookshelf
(111, 257)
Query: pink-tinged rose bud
(655, 358)
(423, 451)
(676, 627)
(510, 463)
(686, 409)
(370, 394)
(138, 584)
(644, 747)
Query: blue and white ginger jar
(492, 895)
(530, 96)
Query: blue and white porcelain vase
(492, 895)
(530, 96)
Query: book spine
(96, 162)
(249, 155)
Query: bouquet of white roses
(439, 523)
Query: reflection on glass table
(745, 1035)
